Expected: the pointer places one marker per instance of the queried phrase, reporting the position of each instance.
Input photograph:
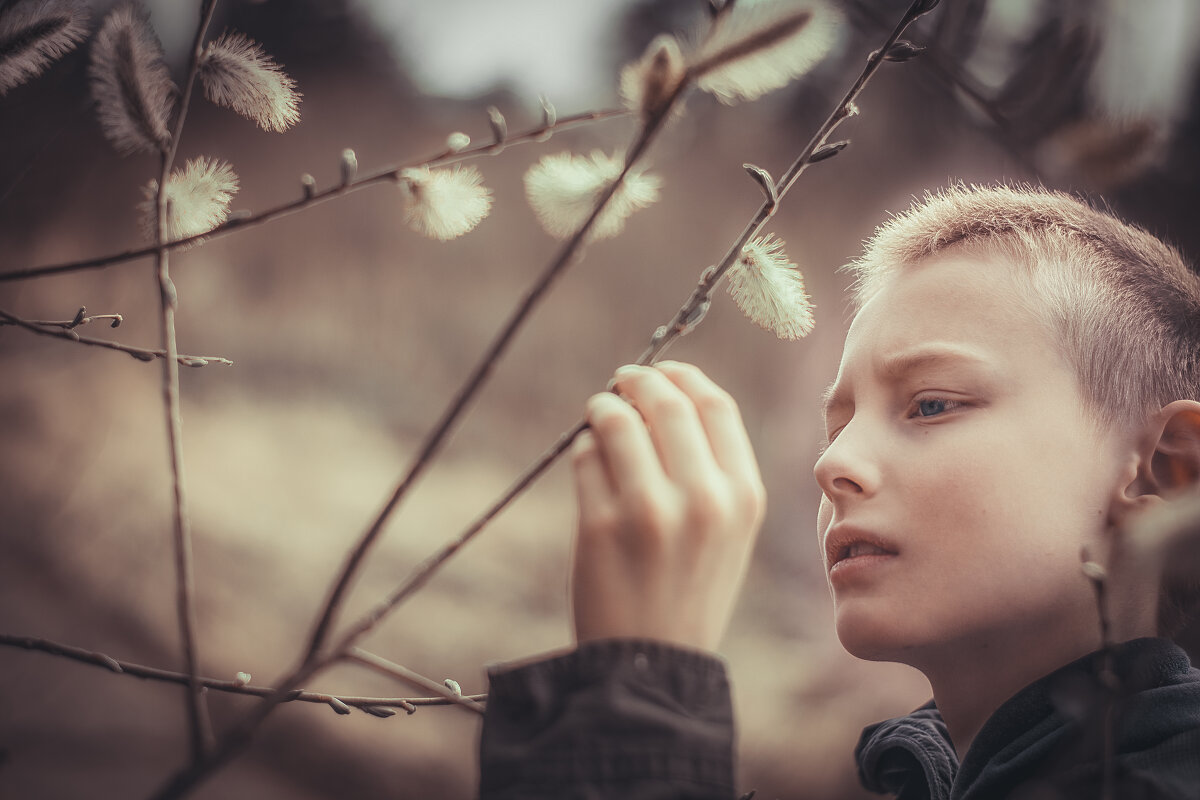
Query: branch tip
(765, 181)
(828, 151)
(349, 166)
(498, 123)
(309, 185)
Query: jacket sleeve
(621, 718)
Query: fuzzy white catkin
(754, 74)
(199, 196)
(237, 74)
(444, 204)
(648, 83)
(563, 189)
(130, 82)
(34, 34)
(769, 289)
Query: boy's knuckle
(717, 401)
(668, 405)
(649, 514)
(708, 505)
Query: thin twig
(67, 333)
(81, 318)
(946, 69)
(388, 175)
(403, 673)
(199, 726)
(313, 661)
(686, 319)
(122, 667)
(481, 372)
(1110, 684)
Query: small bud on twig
(694, 317)
(78, 318)
(648, 83)
(338, 706)
(827, 151)
(549, 113)
(349, 166)
(309, 184)
(903, 50)
(108, 661)
(498, 123)
(453, 686)
(457, 142)
(764, 180)
(379, 711)
(924, 7)
(241, 679)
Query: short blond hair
(1124, 306)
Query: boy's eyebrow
(927, 355)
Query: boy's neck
(972, 677)
(972, 680)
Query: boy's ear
(1169, 458)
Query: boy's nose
(845, 470)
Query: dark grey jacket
(641, 720)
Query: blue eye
(931, 407)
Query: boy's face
(964, 474)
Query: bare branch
(199, 726)
(394, 670)
(65, 330)
(685, 320)
(365, 703)
(312, 197)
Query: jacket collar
(1053, 721)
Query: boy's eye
(931, 407)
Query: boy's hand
(670, 500)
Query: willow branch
(387, 175)
(947, 70)
(313, 660)
(402, 673)
(480, 373)
(62, 330)
(81, 318)
(685, 320)
(366, 703)
(199, 726)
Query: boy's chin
(876, 639)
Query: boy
(1020, 381)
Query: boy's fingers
(718, 413)
(624, 444)
(675, 428)
(593, 485)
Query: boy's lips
(844, 542)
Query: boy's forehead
(952, 308)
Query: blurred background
(350, 333)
